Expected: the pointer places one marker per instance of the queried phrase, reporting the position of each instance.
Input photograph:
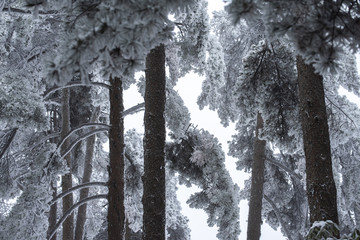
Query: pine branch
(70, 190)
(68, 212)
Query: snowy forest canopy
(70, 170)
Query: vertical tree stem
(154, 145)
(257, 184)
(320, 184)
(66, 180)
(116, 209)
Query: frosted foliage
(118, 36)
(173, 62)
(192, 37)
(215, 71)
(218, 196)
(320, 30)
(346, 160)
(28, 217)
(236, 42)
(288, 194)
(343, 115)
(21, 104)
(268, 84)
(133, 184)
(176, 223)
(177, 115)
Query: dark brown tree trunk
(320, 184)
(128, 231)
(84, 192)
(154, 143)
(116, 208)
(257, 184)
(66, 180)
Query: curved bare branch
(68, 212)
(83, 137)
(75, 84)
(70, 190)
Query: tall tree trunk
(116, 208)
(66, 180)
(154, 143)
(84, 192)
(320, 184)
(53, 207)
(257, 184)
(53, 212)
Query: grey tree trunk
(52, 213)
(357, 215)
(116, 208)
(66, 180)
(84, 192)
(53, 207)
(320, 184)
(154, 147)
(257, 184)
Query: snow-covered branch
(63, 218)
(285, 168)
(22, 11)
(81, 127)
(133, 109)
(83, 137)
(75, 84)
(70, 190)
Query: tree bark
(53, 207)
(84, 192)
(53, 212)
(257, 184)
(66, 180)
(116, 208)
(320, 184)
(154, 144)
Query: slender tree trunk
(53, 207)
(53, 212)
(357, 215)
(257, 184)
(320, 184)
(84, 192)
(116, 208)
(66, 180)
(154, 143)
